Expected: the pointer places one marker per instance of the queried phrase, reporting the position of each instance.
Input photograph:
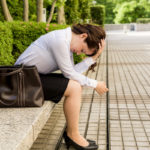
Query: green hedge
(84, 9)
(143, 20)
(6, 45)
(71, 11)
(24, 33)
(15, 37)
(98, 14)
(78, 58)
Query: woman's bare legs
(72, 104)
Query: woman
(54, 51)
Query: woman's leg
(72, 111)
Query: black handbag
(20, 86)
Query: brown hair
(95, 34)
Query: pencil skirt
(54, 86)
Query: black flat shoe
(69, 142)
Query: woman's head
(92, 35)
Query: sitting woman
(54, 51)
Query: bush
(98, 14)
(6, 45)
(24, 33)
(110, 15)
(84, 10)
(129, 11)
(71, 11)
(15, 37)
(78, 58)
(143, 20)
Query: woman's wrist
(95, 57)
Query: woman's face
(78, 45)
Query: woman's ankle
(72, 133)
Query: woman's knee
(73, 87)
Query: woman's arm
(61, 53)
(87, 62)
(101, 48)
(84, 65)
(62, 57)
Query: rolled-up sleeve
(61, 53)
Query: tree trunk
(51, 12)
(39, 10)
(61, 15)
(26, 11)
(6, 12)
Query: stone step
(19, 127)
(52, 131)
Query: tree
(6, 12)
(52, 11)
(39, 10)
(84, 10)
(26, 11)
(61, 13)
(146, 4)
(98, 14)
(129, 11)
(109, 7)
(72, 11)
(112, 7)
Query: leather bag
(20, 86)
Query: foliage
(25, 33)
(16, 9)
(47, 5)
(129, 11)
(109, 6)
(16, 36)
(110, 15)
(71, 11)
(146, 4)
(76, 11)
(78, 58)
(143, 20)
(84, 10)
(6, 42)
(98, 14)
(112, 7)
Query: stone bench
(19, 127)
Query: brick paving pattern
(129, 84)
(128, 103)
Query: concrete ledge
(130, 26)
(19, 127)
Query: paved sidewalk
(121, 119)
(129, 84)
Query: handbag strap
(13, 72)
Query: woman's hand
(101, 48)
(101, 88)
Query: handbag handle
(13, 72)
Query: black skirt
(54, 86)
